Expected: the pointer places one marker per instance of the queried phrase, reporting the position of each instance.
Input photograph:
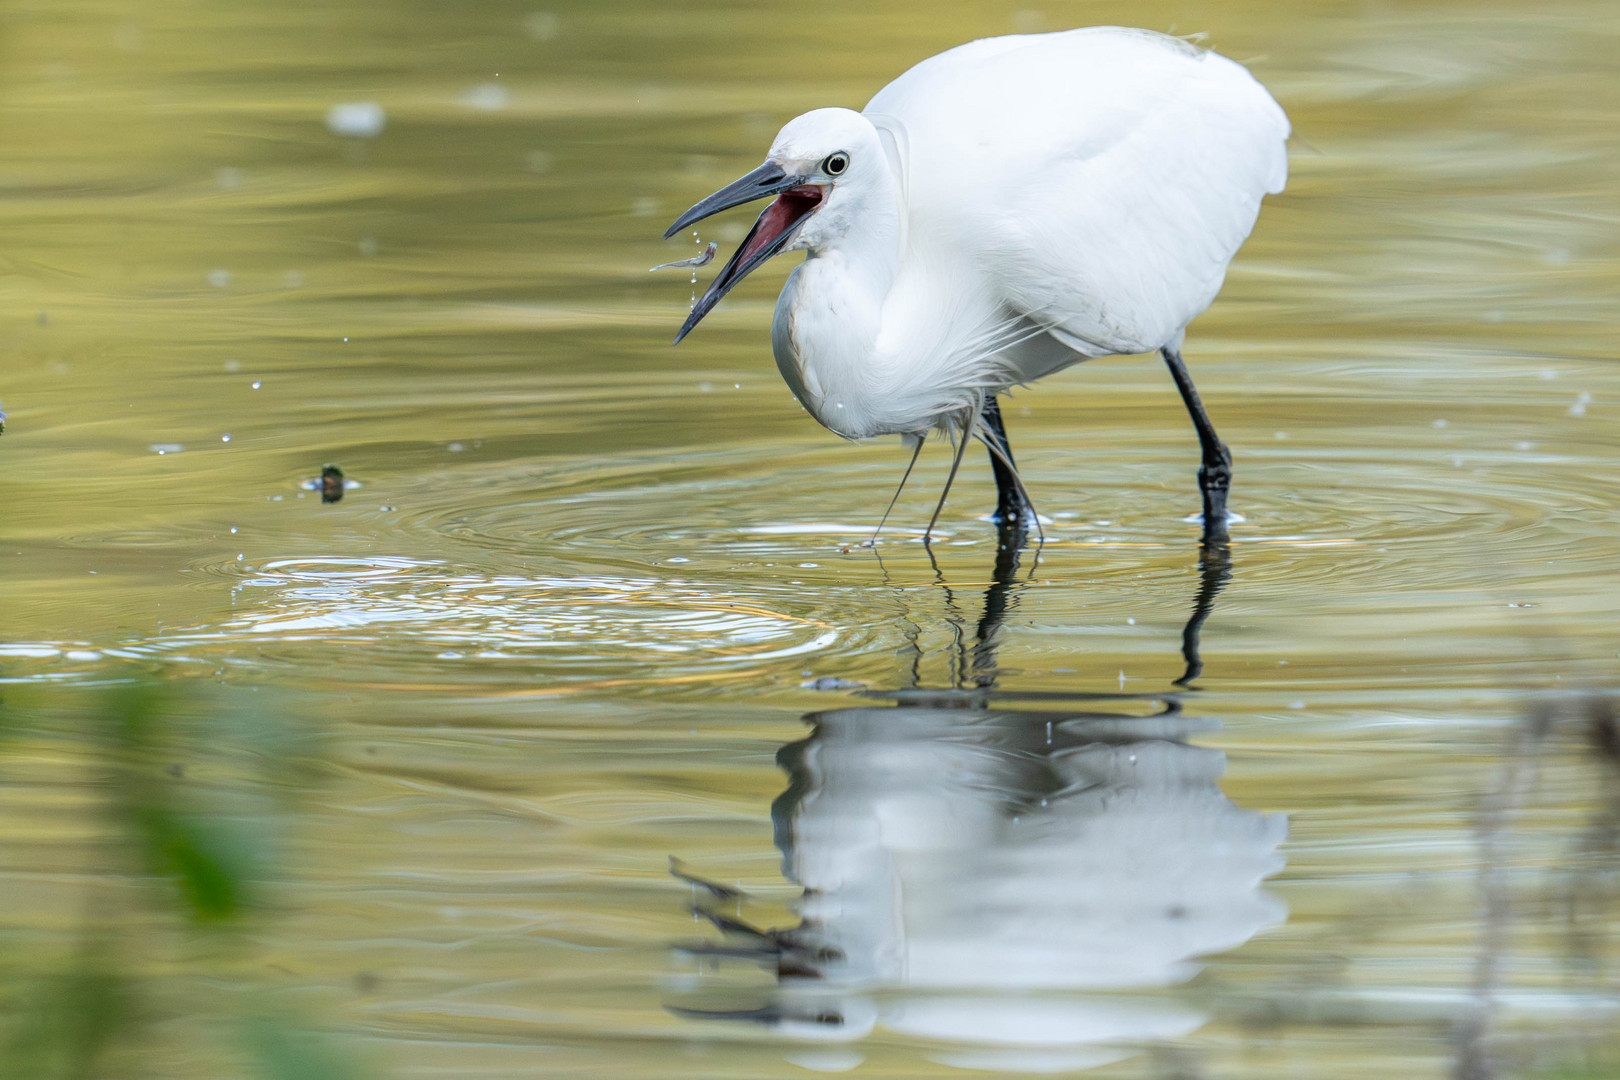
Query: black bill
(770, 234)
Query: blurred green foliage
(283, 1052)
(61, 1027)
(191, 791)
(211, 864)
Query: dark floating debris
(331, 484)
(830, 682)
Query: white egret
(997, 213)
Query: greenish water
(561, 630)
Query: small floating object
(331, 484)
(693, 263)
(830, 682)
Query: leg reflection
(987, 876)
(976, 666)
(1214, 571)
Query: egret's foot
(1215, 516)
(1215, 480)
(1232, 517)
(1012, 528)
(1018, 514)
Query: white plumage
(1003, 210)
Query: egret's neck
(831, 313)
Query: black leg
(1010, 505)
(1215, 474)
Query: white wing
(1101, 179)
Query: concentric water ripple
(712, 565)
(372, 618)
(1379, 510)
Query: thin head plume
(972, 422)
(917, 450)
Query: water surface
(562, 629)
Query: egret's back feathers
(1115, 173)
(1010, 207)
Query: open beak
(795, 201)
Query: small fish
(694, 262)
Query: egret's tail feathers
(990, 358)
(972, 422)
(915, 451)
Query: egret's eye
(835, 163)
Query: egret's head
(820, 169)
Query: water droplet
(257, 383)
(225, 438)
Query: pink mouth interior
(788, 210)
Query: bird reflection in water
(979, 867)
